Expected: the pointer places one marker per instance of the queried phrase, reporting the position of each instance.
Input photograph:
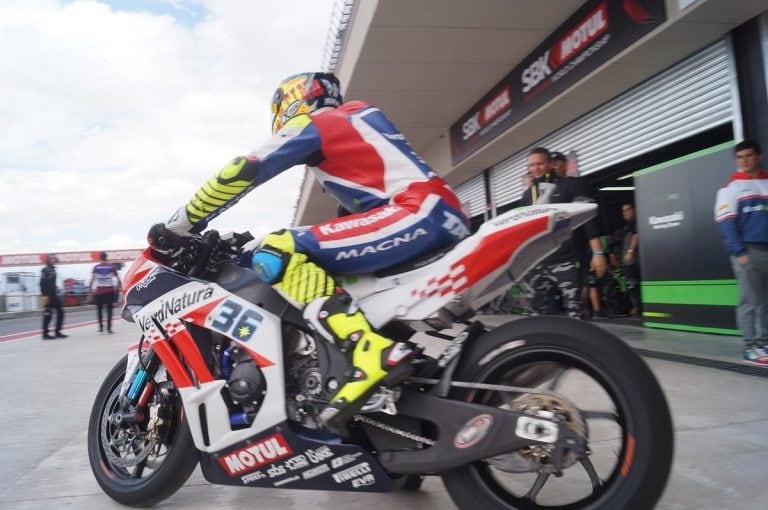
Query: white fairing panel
(267, 343)
(477, 269)
(212, 307)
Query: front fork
(138, 386)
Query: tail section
(478, 269)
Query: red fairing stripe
(189, 351)
(260, 360)
(176, 370)
(496, 250)
(198, 315)
(133, 276)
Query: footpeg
(382, 401)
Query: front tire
(616, 406)
(131, 467)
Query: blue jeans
(752, 310)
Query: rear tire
(125, 484)
(550, 352)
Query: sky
(113, 112)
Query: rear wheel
(601, 391)
(139, 462)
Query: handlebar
(162, 239)
(209, 241)
(194, 254)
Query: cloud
(111, 119)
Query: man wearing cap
(51, 299)
(561, 268)
(559, 164)
(572, 187)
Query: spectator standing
(594, 284)
(51, 299)
(559, 168)
(561, 268)
(630, 262)
(105, 284)
(741, 213)
(559, 164)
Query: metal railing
(342, 12)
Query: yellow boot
(376, 360)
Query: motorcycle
(541, 412)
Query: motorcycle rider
(400, 209)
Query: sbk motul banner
(74, 257)
(596, 32)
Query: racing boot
(376, 360)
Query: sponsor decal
(252, 477)
(754, 208)
(236, 321)
(521, 214)
(576, 43)
(284, 481)
(471, 126)
(491, 111)
(345, 459)
(151, 277)
(455, 226)
(536, 72)
(670, 221)
(319, 455)
(124, 255)
(315, 471)
(255, 456)
(497, 105)
(176, 305)
(473, 432)
(21, 260)
(584, 34)
(590, 37)
(398, 137)
(70, 258)
(355, 471)
(341, 226)
(364, 481)
(452, 350)
(291, 110)
(296, 463)
(385, 245)
(276, 470)
(38, 259)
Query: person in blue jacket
(741, 213)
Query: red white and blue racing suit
(400, 208)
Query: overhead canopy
(426, 63)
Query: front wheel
(599, 391)
(140, 461)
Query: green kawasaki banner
(687, 278)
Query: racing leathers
(400, 209)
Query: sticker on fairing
(255, 456)
(473, 432)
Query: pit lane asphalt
(47, 388)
